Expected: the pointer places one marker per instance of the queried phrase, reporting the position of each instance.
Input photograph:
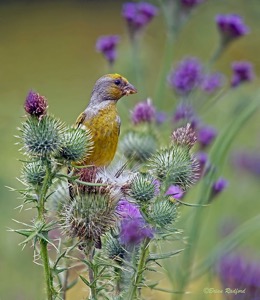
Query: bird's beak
(129, 89)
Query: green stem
(91, 273)
(137, 66)
(43, 244)
(137, 277)
(166, 65)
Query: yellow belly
(104, 127)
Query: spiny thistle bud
(89, 216)
(175, 165)
(42, 137)
(76, 144)
(35, 105)
(139, 146)
(143, 188)
(184, 136)
(114, 250)
(163, 213)
(33, 173)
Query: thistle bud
(163, 213)
(184, 136)
(139, 146)
(42, 137)
(36, 105)
(89, 216)
(76, 145)
(33, 173)
(175, 165)
(143, 188)
(114, 250)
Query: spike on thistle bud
(76, 145)
(89, 216)
(138, 145)
(163, 212)
(33, 173)
(175, 165)
(143, 188)
(184, 136)
(35, 105)
(42, 137)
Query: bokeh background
(49, 46)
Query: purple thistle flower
(185, 112)
(218, 186)
(107, 46)
(202, 158)
(190, 3)
(231, 26)
(138, 15)
(133, 228)
(160, 117)
(35, 105)
(237, 272)
(242, 72)
(143, 112)
(212, 82)
(206, 135)
(247, 161)
(186, 76)
(175, 191)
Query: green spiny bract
(89, 216)
(163, 212)
(113, 248)
(34, 172)
(138, 145)
(75, 145)
(175, 165)
(42, 137)
(143, 188)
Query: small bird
(102, 119)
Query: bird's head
(111, 87)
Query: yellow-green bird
(102, 119)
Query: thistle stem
(91, 273)
(166, 64)
(43, 243)
(137, 277)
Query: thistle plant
(112, 222)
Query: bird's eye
(117, 81)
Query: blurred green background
(49, 46)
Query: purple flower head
(212, 82)
(238, 272)
(138, 15)
(107, 46)
(175, 191)
(242, 72)
(247, 161)
(35, 105)
(218, 186)
(185, 112)
(206, 135)
(160, 117)
(202, 158)
(143, 112)
(231, 26)
(190, 3)
(186, 76)
(133, 228)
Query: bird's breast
(104, 125)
